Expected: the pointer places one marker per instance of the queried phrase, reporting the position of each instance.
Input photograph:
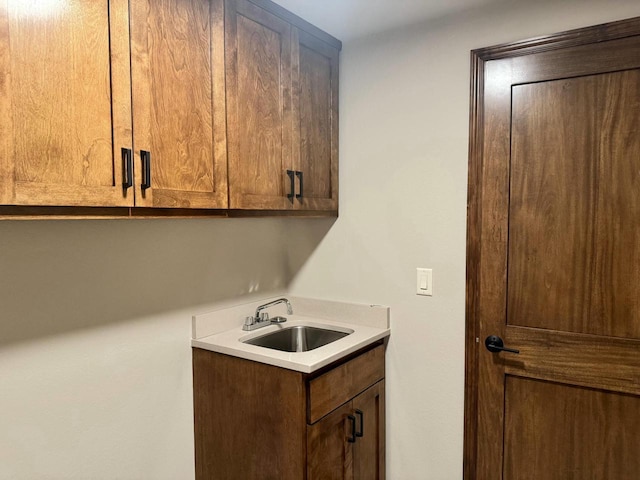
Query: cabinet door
(258, 60)
(369, 449)
(65, 109)
(178, 103)
(315, 133)
(329, 454)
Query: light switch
(424, 283)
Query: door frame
(473, 344)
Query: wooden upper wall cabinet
(179, 119)
(170, 104)
(72, 89)
(282, 100)
(65, 111)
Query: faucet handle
(249, 321)
(264, 317)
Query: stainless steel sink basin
(298, 338)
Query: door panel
(179, 107)
(574, 258)
(64, 67)
(555, 264)
(597, 433)
(368, 450)
(259, 102)
(330, 456)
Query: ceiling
(348, 19)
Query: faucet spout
(271, 304)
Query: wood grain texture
(542, 60)
(298, 22)
(472, 344)
(178, 102)
(493, 263)
(553, 163)
(330, 455)
(582, 36)
(249, 419)
(59, 103)
(588, 360)
(7, 164)
(558, 432)
(258, 62)
(573, 235)
(344, 382)
(369, 450)
(315, 113)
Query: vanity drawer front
(337, 386)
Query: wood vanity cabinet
(259, 422)
(282, 97)
(85, 121)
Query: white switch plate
(424, 281)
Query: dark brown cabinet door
(315, 133)
(368, 450)
(559, 260)
(178, 103)
(258, 67)
(65, 110)
(330, 454)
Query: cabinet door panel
(315, 135)
(65, 103)
(179, 107)
(259, 90)
(369, 450)
(329, 454)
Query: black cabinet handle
(495, 344)
(361, 415)
(292, 187)
(146, 169)
(299, 175)
(352, 419)
(127, 169)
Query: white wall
(95, 328)
(404, 140)
(95, 366)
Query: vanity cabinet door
(178, 103)
(369, 454)
(65, 103)
(330, 454)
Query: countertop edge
(290, 364)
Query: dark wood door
(65, 103)
(554, 259)
(178, 103)
(368, 450)
(258, 75)
(315, 132)
(329, 454)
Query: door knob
(495, 344)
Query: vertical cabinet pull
(352, 438)
(292, 186)
(360, 433)
(127, 169)
(299, 175)
(146, 169)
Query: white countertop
(365, 332)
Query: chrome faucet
(262, 319)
